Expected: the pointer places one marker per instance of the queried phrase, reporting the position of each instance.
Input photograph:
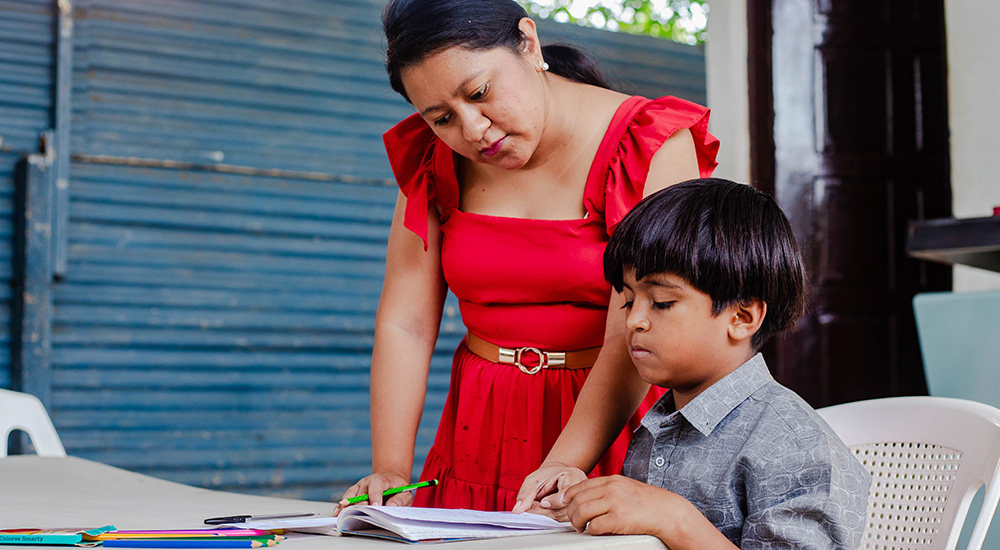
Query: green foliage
(678, 20)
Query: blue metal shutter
(26, 58)
(229, 206)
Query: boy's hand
(623, 506)
(543, 489)
(619, 505)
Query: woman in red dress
(513, 174)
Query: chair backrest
(959, 344)
(22, 411)
(961, 354)
(928, 456)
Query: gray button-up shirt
(758, 461)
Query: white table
(73, 492)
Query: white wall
(974, 118)
(973, 101)
(728, 90)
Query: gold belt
(577, 359)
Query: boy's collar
(708, 408)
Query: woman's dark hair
(727, 239)
(415, 29)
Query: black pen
(247, 517)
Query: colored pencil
(393, 491)
(210, 538)
(247, 533)
(191, 532)
(186, 543)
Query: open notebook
(425, 525)
(419, 525)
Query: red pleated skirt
(498, 425)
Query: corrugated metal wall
(640, 65)
(214, 324)
(295, 85)
(26, 80)
(228, 209)
(215, 329)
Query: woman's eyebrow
(458, 91)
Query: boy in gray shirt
(709, 270)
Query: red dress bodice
(539, 283)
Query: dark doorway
(849, 129)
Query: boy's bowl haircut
(727, 239)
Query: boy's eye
(480, 93)
(627, 304)
(662, 305)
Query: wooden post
(31, 301)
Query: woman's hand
(374, 485)
(542, 491)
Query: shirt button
(659, 462)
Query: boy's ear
(747, 318)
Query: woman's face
(488, 106)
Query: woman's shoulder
(603, 99)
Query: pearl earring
(543, 65)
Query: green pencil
(393, 491)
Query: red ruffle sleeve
(634, 137)
(411, 146)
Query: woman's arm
(613, 389)
(611, 394)
(406, 329)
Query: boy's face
(674, 339)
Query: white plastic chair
(22, 411)
(927, 456)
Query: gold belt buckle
(545, 359)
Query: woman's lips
(495, 148)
